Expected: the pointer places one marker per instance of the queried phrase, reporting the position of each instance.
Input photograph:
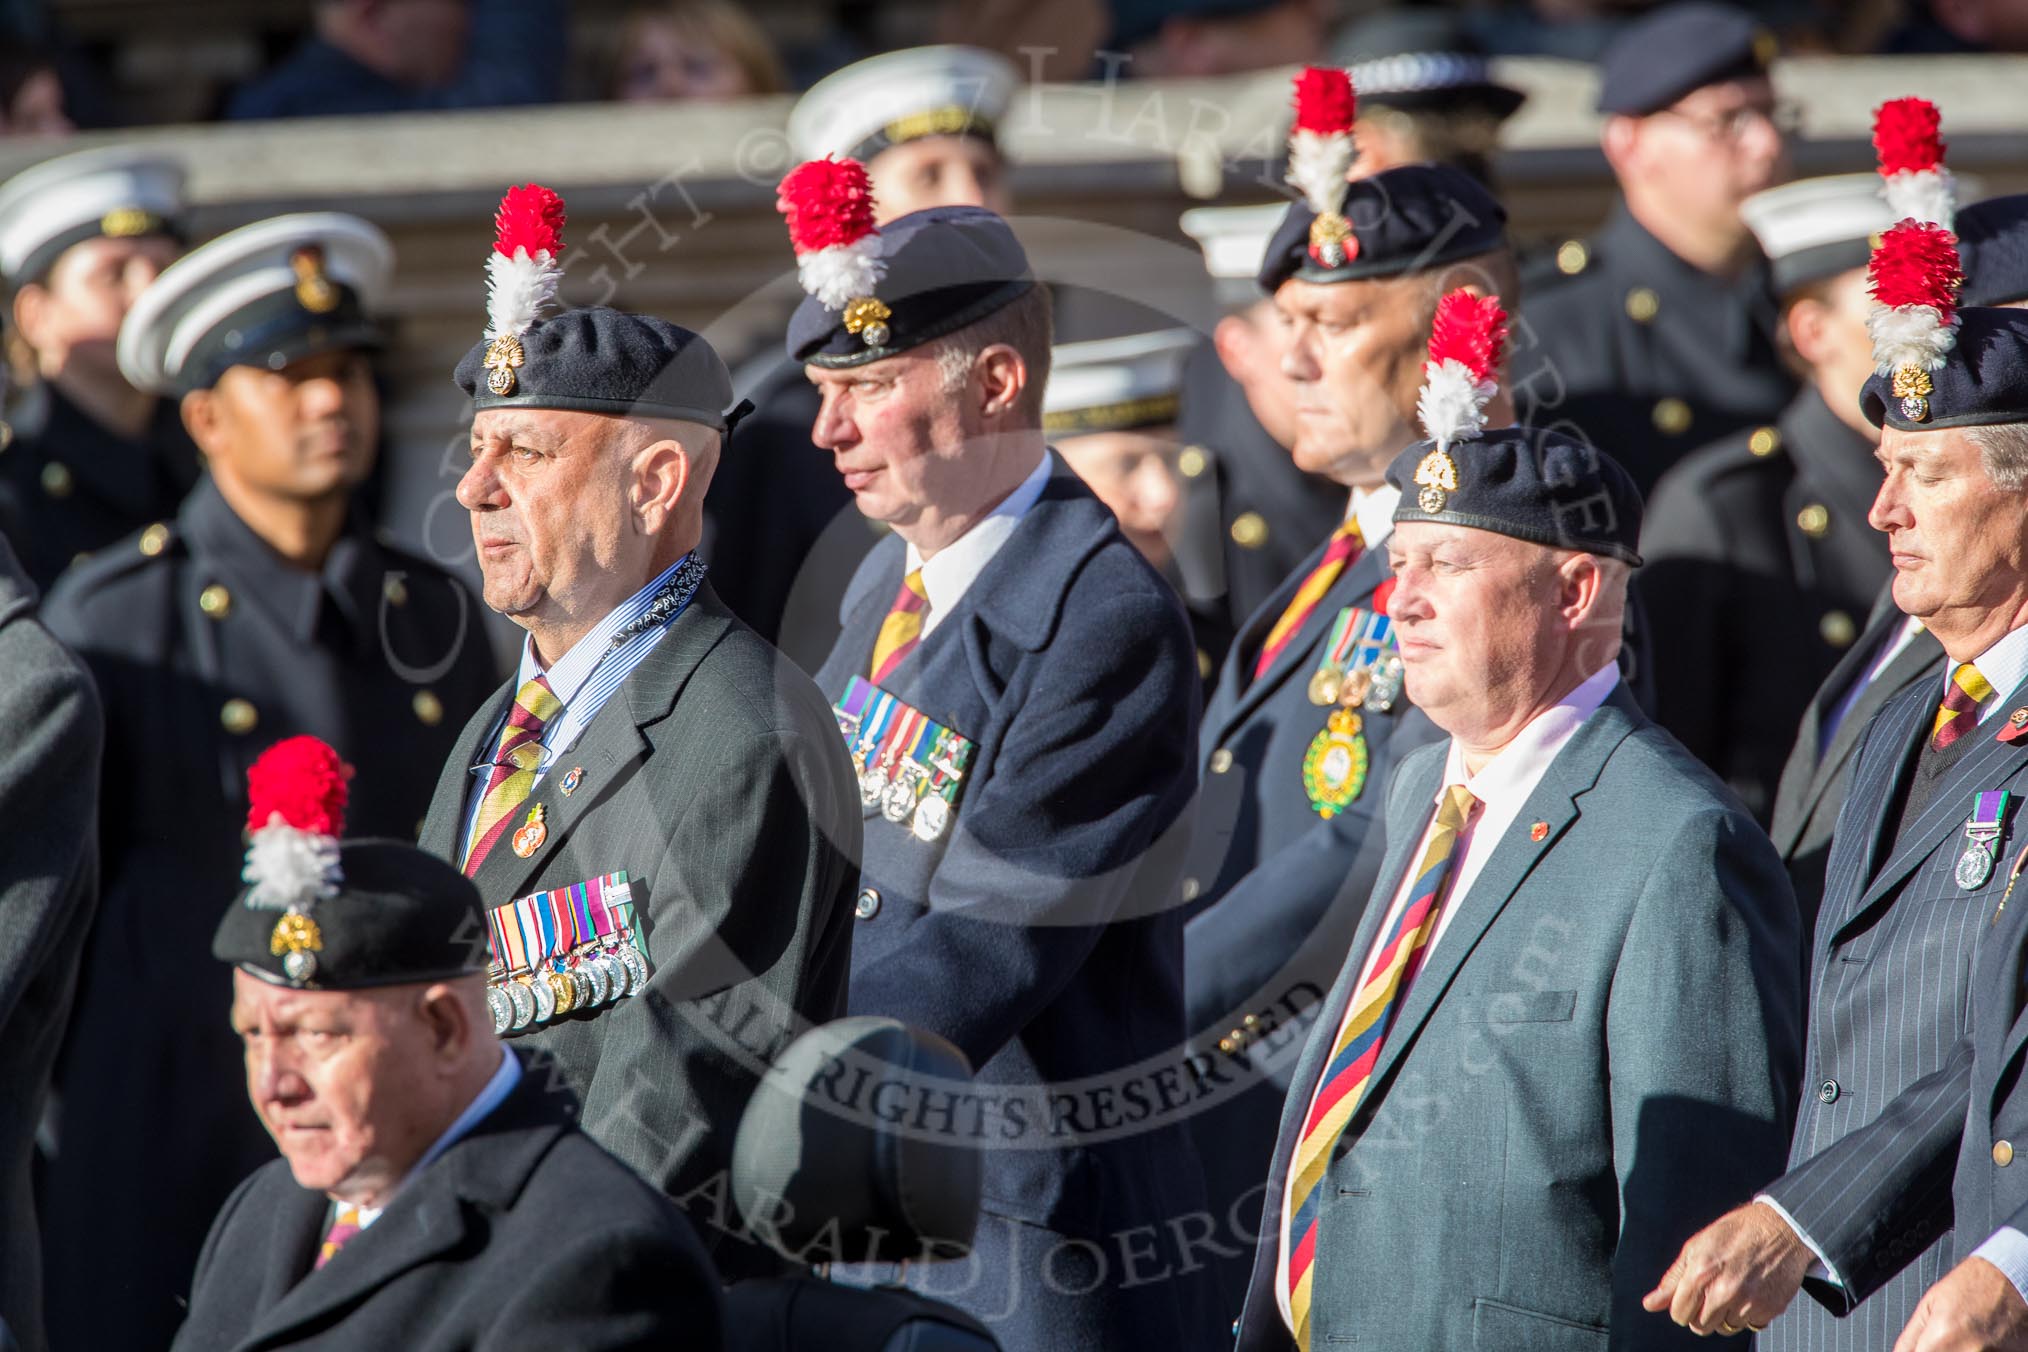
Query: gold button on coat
(1192, 462)
(2003, 1153)
(238, 717)
(154, 540)
(1814, 520)
(1672, 417)
(1572, 256)
(429, 710)
(1838, 629)
(1643, 304)
(395, 590)
(1765, 441)
(56, 480)
(1221, 761)
(215, 601)
(1249, 530)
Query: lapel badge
(533, 831)
(1438, 476)
(1539, 832)
(2017, 727)
(572, 780)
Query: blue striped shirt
(583, 679)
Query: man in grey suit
(49, 789)
(1925, 857)
(656, 809)
(1570, 1013)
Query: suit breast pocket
(1517, 1007)
(1508, 1328)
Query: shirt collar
(569, 672)
(1514, 772)
(948, 574)
(292, 595)
(1373, 510)
(2004, 665)
(492, 1096)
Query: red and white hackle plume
(296, 812)
(1467, 339)
(1915, 276)
(1321, 152)
(828, 205)
(1907, 138)
(522, 276)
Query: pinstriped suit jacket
(1891, 982)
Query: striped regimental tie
(343, 1228)
(1343, 1082)
(1346, 542)
(902, 629)
(514, 764)
(1959, 712)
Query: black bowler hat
(875, 292)
(320, 915)
(1993, 242)
(1679, 48)
(590, 360)
(1409, 219)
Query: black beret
(946, 267)
(602, 360)
(1524, 482)
(1993, 243)
(1984, 380)
(1666, 54)
(1410, 219)
(399, 916)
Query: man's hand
(1736, 1273)
(1973, 1309)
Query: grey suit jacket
(49, 790)
(1891, 983)
(716, 777)
(1598, 1057)
(1814, 782)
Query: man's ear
(31, 305)
(201, 418)
(1805, 325)
(1003, 375)
(1234, 340)
(448, 1018)
(1620, 138)
(1583, 585)
(663, 470)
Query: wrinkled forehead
(543, 426)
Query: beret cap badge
(1321, 151)
(828, 206)
(522, 276)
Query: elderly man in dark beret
(434, 1191)
(1570, 1011)
(655, 808)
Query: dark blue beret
(1410, 219)
(946, 267)
(602, 360)
(401, 915)
(1666, 54)
(1984, 380)
(1531, 484)
(1993, 244)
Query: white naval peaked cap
(1234, 239)
(1113, 384)
(116, 191)
(902, 96)
(1815, 228)
(266, 294)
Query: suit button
(238, 717)
(1827, 1092)
(1191, 887)
(215, 601)
(2003, 1153)
(1672, 416)
(429, 710)
(1643, 304)
(868, 905)
(1249, 530)
(1192, 463)
(1837, 629)
(1221, 761)
(1814, 520)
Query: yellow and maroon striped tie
(343, 1228)
(1343, 1082)
(1959, 712)
(514, 764)
(1346, 542)
(902, 629)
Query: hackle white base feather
(1910, 335)
(518, 289)
(1452, 406)
(288, 867)
(1929, 195)
(842, 273)
(1317, 167)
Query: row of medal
(1359, 670)
(908, 764)
(562, 951)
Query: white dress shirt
(1502, 786)
(1373, 509)
(492, 1096)
(2005, 666)
(950, 572)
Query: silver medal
(898, 802)
(593, 983)
(1975, 865)
(872, 783)
(523, 1001)
(545, 999)
(502, 1009)
(638, 970)
(932, 817)
(1386, 686)
(617, 978)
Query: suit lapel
(1912, 661)
(608, 749)
(1574, 771)
(444, 823)
(1989, 764)
(1298, 657)
(408, 1234)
